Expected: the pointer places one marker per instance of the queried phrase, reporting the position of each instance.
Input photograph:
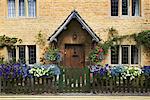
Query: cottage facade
(74, 26)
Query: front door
(74, 55)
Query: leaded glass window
(11, 8)
(12, 54)
(135, 7)
(125, 7)
(134, 55)
(32, 54)
(21, 8)
(32, 8)
(115, 55)
(114, 7)
(22, 54)
(125, 55)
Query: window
(21, 8)
(22, 54)
(114, 7)
(24, 7)
(135, 7)
(12, 54)
(115, 55)
(125, 55)
(134, 55)
(125, 7)
(32, 8)
(32, 54)
(11, 8)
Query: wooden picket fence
(119, 85)
(75, 80)
(32, 85)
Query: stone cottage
(74, 26)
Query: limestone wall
(52, 13)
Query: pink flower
(100, 50)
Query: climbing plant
(97, 55)
(7, 41)
(143, 38)
(40, 39)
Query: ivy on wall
(143, 38)
(40, 39)
(97, 55)
(6, 41)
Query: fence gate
(74, 80)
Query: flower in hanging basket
(100, 50)
(97, 55)
(52, 55)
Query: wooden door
(74, 55)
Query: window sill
(127, 17)
(19, 17)
(126, 64)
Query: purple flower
(7, 70)
(17, 65)
(103, 71)
(1, 73)
(146, 70)
(19, 72)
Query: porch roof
(74, 14)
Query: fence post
(146, 83)
(0, 85)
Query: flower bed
(18, 70)
(119, 70)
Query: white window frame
(129, 9)
(26, 54)
(11, 16)
(129, 56)
(26, 11)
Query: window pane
(12, 54)
(32, 54)
(125, 53)
(21, 8)
(135, 7)
(134, 55)
(114, 7)
(115, 55)
(22, 54)
(32, 8)
(11, 8)
(124, 7)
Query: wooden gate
(74, 80)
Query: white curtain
(21, 8)
(135, 61)
(32, 8)
(11, 8)
(136, 8)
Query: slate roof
(74, 14)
